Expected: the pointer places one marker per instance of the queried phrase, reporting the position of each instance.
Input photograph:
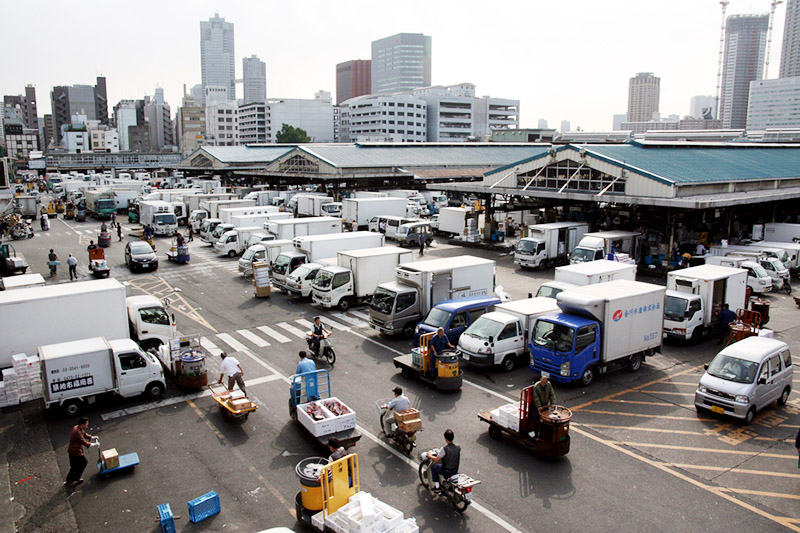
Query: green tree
(290, 134)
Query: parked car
(140, 256)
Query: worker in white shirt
(230, 367)
(701, 250)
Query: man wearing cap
(400, 403)
(543, 396)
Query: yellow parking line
(707, 450)
(768, 494)
(667, 393)
(651, 430)
(664, 404)
(665, 417)
(735, 470)
(687, 383)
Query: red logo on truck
(617, 315)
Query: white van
(746, 377)
(390, 224)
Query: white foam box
(409, 525)
(9, 375)
(495, 415)
(318, 428)
(391, 516)
(19, 359)
(512, 413)
(318, 520)
(343, 422)
(766, 333)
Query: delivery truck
(314, 248)
(242, 221)
(435, 199)
(622, 246)
(601, 328)
(547, 245)
(262, 197)
(792, 250)
(453, 220)
(228, 213)
(781, 232)
(79, 310)
(235, 241)
(580, 274)
(213, 207)
(196, 213)
(758, 279)
(297, 227)
(311, 205)
(397, 306)
(158, 214)
(357, 212)
(100, 202)
(356, 275)
(501, 337)
(75, 373)
(695, 295)
(265, 251)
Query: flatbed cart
(229, 412)
(441, 371)
(179, 254)
(129, 461)
(553, 439)
(315, 386)
(97, 263)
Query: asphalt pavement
(641, 458)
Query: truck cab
(332, 209)
(228, 243)
(495, 338)
(454, 316)
(196, 218)
(149, 323)
(218, 231)
(254, 253)
(564, 345)
(299, 283)
(395, 309)
(165, 224)
(209, 225)
(332, 285)
(550, 289)
(530, 252)
(285, 264)
(758, 279)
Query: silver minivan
(746, 377)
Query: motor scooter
(457, 489)
(406, 440)
(324, 347)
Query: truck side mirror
(762, 381)
(705, 367)
(491, 339)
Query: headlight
(681, 331)
(564, 371)
(702, 389)
(390, 325)
(742, 399)
(486, 350)
(416, 329)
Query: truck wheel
(344, 304)
(155, 390)
(495, 432)
(784, 396)
(509, 363)
(698, 334)
(635, 362)
(231, 253)
(71, 408)
(751, 414)
(408, 330)
(588, 376)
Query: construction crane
(724, 4)
(769, 36)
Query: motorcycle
(406, 440)
(324, 346)
(22, 230)
(457, 489)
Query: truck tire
(698, 334)
(751, 414)
(71, 408)
(635, 362)
(784, 396)
(588, 376)
(408, 331)
(509, 363)
(154, 390)
(231, 253)
(344, 304)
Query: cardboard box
(110, 458)
(408, 414)
(410, 425)
(240, 403)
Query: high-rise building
(401, 62)
(384, 118)
(254, 79)
(644, 92)
(78, 99)
(157, 114)
(542, 124)
(566, 127)
(26, 105)
(190, 125)
(217, 63)
(774, 104)
(743, 62)
(703, 106)
(790, 49)
(617, 121)
(353, 78)
(124, 116)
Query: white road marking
(360, 314)
(350, 320)
(230, 341)
(252, 337)
(335, 325)
(274, 334)
(305, 323)
(212, 348)
(291, 329)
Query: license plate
(468, 496)
(465, 356)
(717, 409)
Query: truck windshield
(675, 308)
(281, 263)
(331, 208)
(582, 254)
(249, 253)
(548, 292)
(106, 203)
(760, 272)
(437, 318)
(165, 219)
(383, 301)
(526, 247)
(733, 369)
(323, 279)
(553, 336)
(483, 328)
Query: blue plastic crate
(203, 507)
(166, 518)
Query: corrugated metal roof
(246, 154)
(686, 165)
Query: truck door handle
(144, 331)
(123, 373)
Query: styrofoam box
(19, 359)
(318, 520)
(318, 428)
(343, 422)
(409, 525)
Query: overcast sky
(564, 60)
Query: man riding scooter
(400, 403)
(318, 332)
(446, 460)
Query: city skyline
(611, 43)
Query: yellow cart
(222, 396)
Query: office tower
(542, 124)
(644, 91)
(703, 106)
(216, 55)
(743, 62)
(353, 78)
(617, 121)
(774, 104)
(401, 62)
(790, 49)
(27, 106)
(158, 117)
(190, 124)
(254, 74)
(566, 127)
(124, 117)
(78, 99)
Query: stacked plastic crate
(19, 363)
(11, 396)
(35, 377)
(471, 231)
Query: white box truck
(501, 337)
(159, 215)
(396, 307)
(580, 274)
(357, 212)
(792, 249)
(623, 245)
(74, 373)
(314, 248)
(758, 279)
(695, 295)
(228, 213)
(262, 197)
(370, 194)
(548, 245)
(197, 213)
(311, 205)
(356, 275)
(297, 227)
(213, 207)
(601, 328)
(782, 232)
(453, 220)
(78, 310)
(234, 242)
(264, 251)
(242, 221)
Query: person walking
(119, 231)
(72, 263)
(421, 244)
(113, 219)
(230, 367)
(52, 259)
(191, 233)
(78, 439)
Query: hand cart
(222, 396)
(129, 461)
(310, 387)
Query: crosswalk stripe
(360, 314)
(291, 329)
(305, 323)
(273, 334)
(212, 348)
(335, 325)
(252, 337)
(350, 320)
(230, 341)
